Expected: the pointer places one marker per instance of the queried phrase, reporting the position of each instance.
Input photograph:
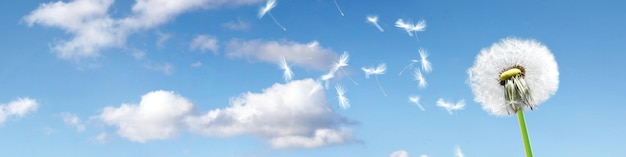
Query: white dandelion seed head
(424, 59)
(541, 73)
(344, 102)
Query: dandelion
(512, 76)
(425, 63)
(338, 8)
(344, 102)
(416, 100)
(269, 5)
(376, 71)
(419, 77)
(374, 21)
(451, 107)
(287, 74)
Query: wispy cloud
(165, 68)
(162, 38)
(451, 106)
(305, 55)
(17, 108)
(196, 64)
(205, 43)
(238, 25)
(73, 121)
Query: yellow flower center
(509, 73)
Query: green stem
(522, 125)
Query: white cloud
(399, 153)
(285, 114)
(238, 25)
(204, 43)
(73, 121)
(92, 27)
(87, 20)
(17, 108)
(306, 55)
(157, 116)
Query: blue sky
(201, 78)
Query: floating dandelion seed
(416, 100)
(343, 62)
(458, 152)
(451, 107)
(378, 71)
(406, 26)
(338, 8)
(374, 21)
(419, 77)
(269, 5)
(514, 75)
(425, 63)
(327, 77)
(344, 102)
(287, 74)
(410, 28)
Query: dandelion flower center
(516, 92)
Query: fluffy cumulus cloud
(285, 114)
(17, 108)
(306, 55)
(93, 28)
(204, 43)
(157, 116)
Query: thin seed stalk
(522, 125)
